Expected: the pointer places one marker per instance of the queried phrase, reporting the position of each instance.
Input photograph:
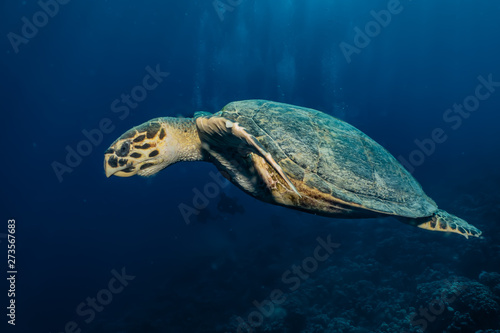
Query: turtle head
(148, 148)
(143, 150)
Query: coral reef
(456, 304)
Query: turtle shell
(333, 157)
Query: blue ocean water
(94, 254)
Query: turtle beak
(108, 169)
(109, 172)
(111, 166)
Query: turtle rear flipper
(446, 222)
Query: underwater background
(118, 255)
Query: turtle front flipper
(446, 222)
(222, 132)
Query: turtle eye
(124, 149)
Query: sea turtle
(286, 155)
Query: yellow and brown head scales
(138, 150)
(152, 146)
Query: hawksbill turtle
(290, 156)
